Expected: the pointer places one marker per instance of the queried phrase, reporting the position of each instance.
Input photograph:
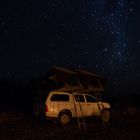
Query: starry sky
(102, 36)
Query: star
(99, 35)
(105, 49)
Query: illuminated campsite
(65, 115)
(69, 69)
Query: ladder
(81, 120)
(99, 101)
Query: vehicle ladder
(100, 106)
(98, 97)
(99, 101)
(80, 119)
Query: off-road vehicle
(65, 106)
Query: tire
(65, 118)
(105, 116)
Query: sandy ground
(23, 127)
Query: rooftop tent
(60, 74)
(91, 81)
(77, 79)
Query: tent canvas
(77, 79)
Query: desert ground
(18, 123)
(22, 126)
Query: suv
(64, 106)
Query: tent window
(72, 80)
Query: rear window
(59, 97)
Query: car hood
(106, 105)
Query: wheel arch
(65, 111)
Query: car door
(91, 105)
(80, 105)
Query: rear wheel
(64, 118)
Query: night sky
(102, 36)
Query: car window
(59, 97)
(79, 98)
(90, 98)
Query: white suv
(64, 106)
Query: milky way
(99, 35)
(116, 21)
(115, 16)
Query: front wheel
(64, 118)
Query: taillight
(46, 108)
